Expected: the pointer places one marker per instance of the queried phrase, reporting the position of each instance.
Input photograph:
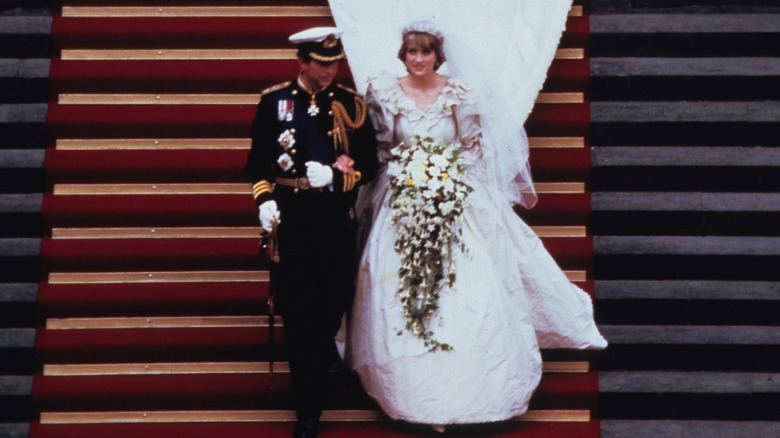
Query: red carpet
(193, 340)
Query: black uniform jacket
(293, 126)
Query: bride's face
(420, 61)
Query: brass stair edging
(192, 277)
(158, 277)
(235, 99)
(122, 369)
(211, 11)
(234, 188)
(218, 54)
(236, 232)
(71, 144)
(572, 415)
(158, 322)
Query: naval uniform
(316, 233)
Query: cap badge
(330, 42)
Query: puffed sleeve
(467, 119)
(382, 110)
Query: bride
(477, 357)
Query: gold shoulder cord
(342, 122)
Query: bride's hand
(344, 163)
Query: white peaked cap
(315, 34)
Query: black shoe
(305, 428)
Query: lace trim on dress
(389, 92)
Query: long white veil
(502, 48)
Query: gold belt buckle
(303, 183)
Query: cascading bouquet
(427, 198)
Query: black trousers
(317, 281)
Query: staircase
(685, 116)
(685, 125)
(25, 50)
(153, 300)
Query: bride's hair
(427, 37)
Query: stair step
(151, 299)
(226, 368)
(187, 277)
(262, 416)
(684, 67)
(250, 391)
(235, 188)
(384, 429)
(661, 428)
(228, 76)
(92, 121)
(226, 165)
(63, 255)
(236, 232)
(218, 54)
(195, 11)
(688, 23)
(213, 11)
(686, 290)
(676, 201)
(158, 322)
(233, 99)
(240, 210)
(244, 143)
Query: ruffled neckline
(392, 96)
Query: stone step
(687, 302)
(689, 23)
(17, 350)
(685, 45)
(682, 223)
(24, 80)
(684, 67)
(660, 177)
(692, 395)
(639, 132)
(685, 347)
(21, 215)
(683, 6)
(16, 398)
(689, 429)
(14, 430)
(684, 88)
(758, 111)
(21, 171)
(673, 201)
(20, 260)
(686, 290)
(18, 307)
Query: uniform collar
(302, 85)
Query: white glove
(319, 175)
(269, 214)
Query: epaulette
(350, 90)
(275, 88)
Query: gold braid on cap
(342, 122)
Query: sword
(270, 249)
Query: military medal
(285, 162)
(285, 110)
(313, 108)
(286, 139)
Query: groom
(312, 146)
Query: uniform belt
(301, 183)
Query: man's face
(318, 75)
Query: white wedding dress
(509, 299)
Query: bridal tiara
(424, 26)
